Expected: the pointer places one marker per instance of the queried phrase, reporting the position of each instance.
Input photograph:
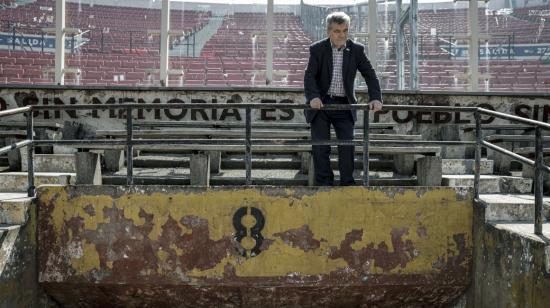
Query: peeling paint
(312, 237)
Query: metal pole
(366, 138)
(60, 42)
(102, 40)
(473, 61)
(477, 168)
(413, 54)
(30, 152)
(248, 150)
(194, 42)
(269, 49)
(131, 41)
(373, 30)
(129, 147)
(539, 163)
(164, 38)
(42, 44)
(400, 48)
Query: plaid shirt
(337, 82)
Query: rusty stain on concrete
(301, 238)
(349, 240)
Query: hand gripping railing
(130, 142)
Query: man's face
(338, 34)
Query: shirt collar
(334, 46)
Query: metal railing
(129, 143)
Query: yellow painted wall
(432, 220)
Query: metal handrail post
(30, 152)
(248, 150)
(538, 180)
(129, 147)
(477, 168)
(366, 140)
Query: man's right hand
(316, 103)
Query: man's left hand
(375, 105)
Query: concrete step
(14, 208)
(512, 207)
(526, 230)
(224, 181)
(161, 161)
(17, 181)
(465, 166)
(180, 176)
(237, 162)
(456, 151)
(8, 239)
(51, 163)
(491, 183)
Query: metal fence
(129, 143)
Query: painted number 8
(248, 223)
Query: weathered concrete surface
(114, 160)
(466, 166)
(14, 157)
(454, 151)
(88, 168)
(403, 164)
(512, 268)
(531, 106)
(200, 169)
(18, 181)
(268, 246)
(529, 172)
(511, 207)
(428, 171)
(18, 276)
(489, 184)
(50, 162)
(501, 161)
(14, 208)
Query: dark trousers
(342, 122)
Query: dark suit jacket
(319, 73)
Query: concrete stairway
(460, 172)
(267, 169)
(48, 168)
(17, 251)
(201, 37)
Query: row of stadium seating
(235, 55)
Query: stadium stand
(235, 54)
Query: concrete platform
(180, 176)
(511, 207)
(14, 208)
(18, 181)
(526, 230)
(51, 162)
(465, 166)
(491, 183)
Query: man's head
(337, 28)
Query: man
(329, 79)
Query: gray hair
(338, 18)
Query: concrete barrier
(147, 245)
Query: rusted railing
(130, 142)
